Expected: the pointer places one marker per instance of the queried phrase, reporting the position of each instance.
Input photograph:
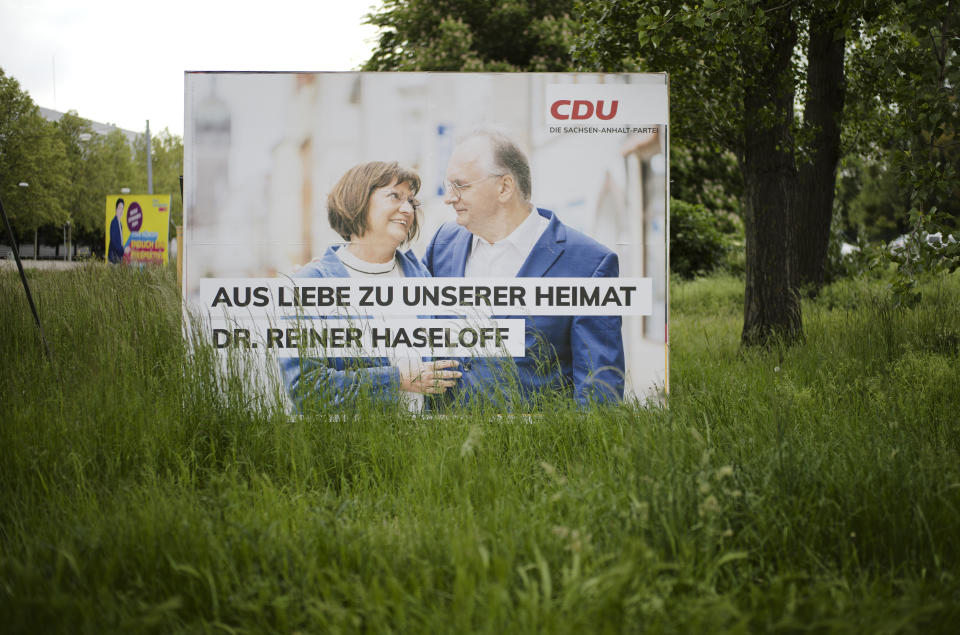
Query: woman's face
(390, 214)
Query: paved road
(10, 263)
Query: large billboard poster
(137, 229)
(432, 238)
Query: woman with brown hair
(373, 207)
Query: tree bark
(771, 308)
(817, 172)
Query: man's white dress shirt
(504, 258)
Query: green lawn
(812, 488)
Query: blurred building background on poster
(263, 151)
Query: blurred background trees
(811, 121)
(463, 35)
(34, 169)
(813, 124)
(69, 170)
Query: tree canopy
(484, 35)
(737, 73)
(870, 86)
(32, 153)
(167, 165)
(69, 169)
(772, 103)
(902, 153)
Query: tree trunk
(771, 308)
(817, 172)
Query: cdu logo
(581, 109)
(587, 108)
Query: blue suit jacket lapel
(410, 265)
(547, 249)
(459, 250)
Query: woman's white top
(404, 358)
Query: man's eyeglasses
(456, 189)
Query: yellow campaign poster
(137, 228)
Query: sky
(122, 61)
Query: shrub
(702, 241)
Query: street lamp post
(149, 161)
(35, 237)
(85, 138)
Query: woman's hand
(430, 378)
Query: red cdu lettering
(582, 110)
(555, 109)
(609, 115)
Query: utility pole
(23, 276)
(149, 161)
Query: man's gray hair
(508, 158)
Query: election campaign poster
(439, 238)
(137, 229)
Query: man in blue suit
(115, 249)
(499, 233)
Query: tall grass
(811, 488)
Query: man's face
(120, 212)
(476, 204)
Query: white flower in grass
(709, 506)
